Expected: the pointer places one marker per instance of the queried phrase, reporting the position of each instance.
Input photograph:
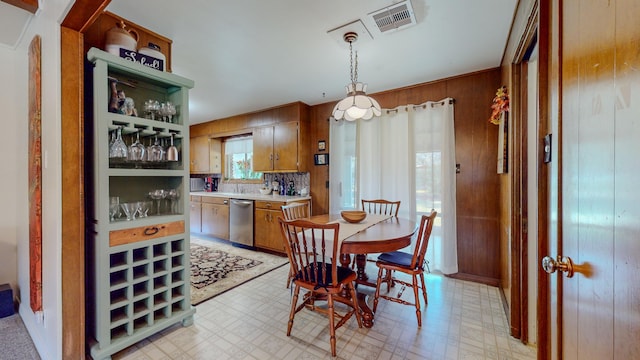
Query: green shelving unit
(138, 268)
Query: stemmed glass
(171, 111)
(156, 152)
(172, 151)
(158, 195)
(173, 196)
(137, 152)
(118, 148)
(151, 107)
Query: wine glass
(158, 195)
(171, 111)
(172, 151)
(118, 149)
(137, 152)
(156, 151)
(173, 195)
(151, 107)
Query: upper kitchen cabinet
(206, 155)
(279, 146)
(275, 148)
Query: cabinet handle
(268, 205)
(151, 231)
(277, 156)
(271, 157)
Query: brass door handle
(562, 263)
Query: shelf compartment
(118, 278)
(118, 296)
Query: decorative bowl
(353, 216)
(265, 191)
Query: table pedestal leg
(365, 311)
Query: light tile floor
(463, 320)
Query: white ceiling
(247, 55)
(13, 23)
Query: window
(238, 153)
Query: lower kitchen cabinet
(215, 217)
(266, 230)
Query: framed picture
(322, 145)
(321, 159)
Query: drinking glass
(173, 195)
(118, 149)
(151, 107)
(172, 151)
(114, 208)
(156, 151)
(158, 195)
(137, 151)
(130, 209)
(171, 111)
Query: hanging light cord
(354, 71)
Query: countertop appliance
(196, 184)
(241, 223)
(210, 184)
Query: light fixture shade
(357, 105)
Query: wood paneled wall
(476, 152)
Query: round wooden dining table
(391, 234)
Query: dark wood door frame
(72, 55)
(533, 35)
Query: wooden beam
(28, 5)
(80, 17)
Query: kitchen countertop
(251, 196)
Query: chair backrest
(424, 233)
(381, 206)
(296, 211)
(310, 247)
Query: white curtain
(407, 154)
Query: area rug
(217, 267)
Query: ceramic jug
(118, 37)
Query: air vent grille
(394, 17)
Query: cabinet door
(216, 156)
(267, 231)
(263, 149)
(199, 148)
(215, 220)
(195, 220)
(285, 147)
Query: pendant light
(357, 105)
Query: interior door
(599, 217)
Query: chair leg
(354, 300)
(332, 328)
(417, 297)
(424, 289)
(292, 314)
(378, 283)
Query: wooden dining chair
(296, 210)
(378, 206)
(411, 264)
(316, 273)
(291, 212)
(381, 206)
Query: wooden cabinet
(138, 268)
(215, 156)
(275, 148)
(195, 214)
(266, 229)
(206, 155)
(215, 217)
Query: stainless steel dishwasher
(241, 223)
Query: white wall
(14, 229)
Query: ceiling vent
(394, 17)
